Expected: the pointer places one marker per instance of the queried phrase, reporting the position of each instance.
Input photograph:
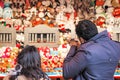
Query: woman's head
(29, 63)
(86, 29)
(29, 57)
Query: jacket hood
(101, 36)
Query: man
(95, 59)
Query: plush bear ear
(115, 3)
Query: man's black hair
(86, 29)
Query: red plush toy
(116, 12)
(100, 21)
(99, 2)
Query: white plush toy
(110, 20)
(60, 17)
(7, 12)
(33, 11)
(20, 37)
(64, 49)
(99, 12)
(108, 6)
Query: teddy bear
(115, 3)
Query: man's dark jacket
(94, 60)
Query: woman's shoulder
(6, 77)
(22, 77)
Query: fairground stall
(50, 25)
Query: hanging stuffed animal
(7, 12)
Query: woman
(28, 66)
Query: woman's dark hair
(86, 29)
(29, 59)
